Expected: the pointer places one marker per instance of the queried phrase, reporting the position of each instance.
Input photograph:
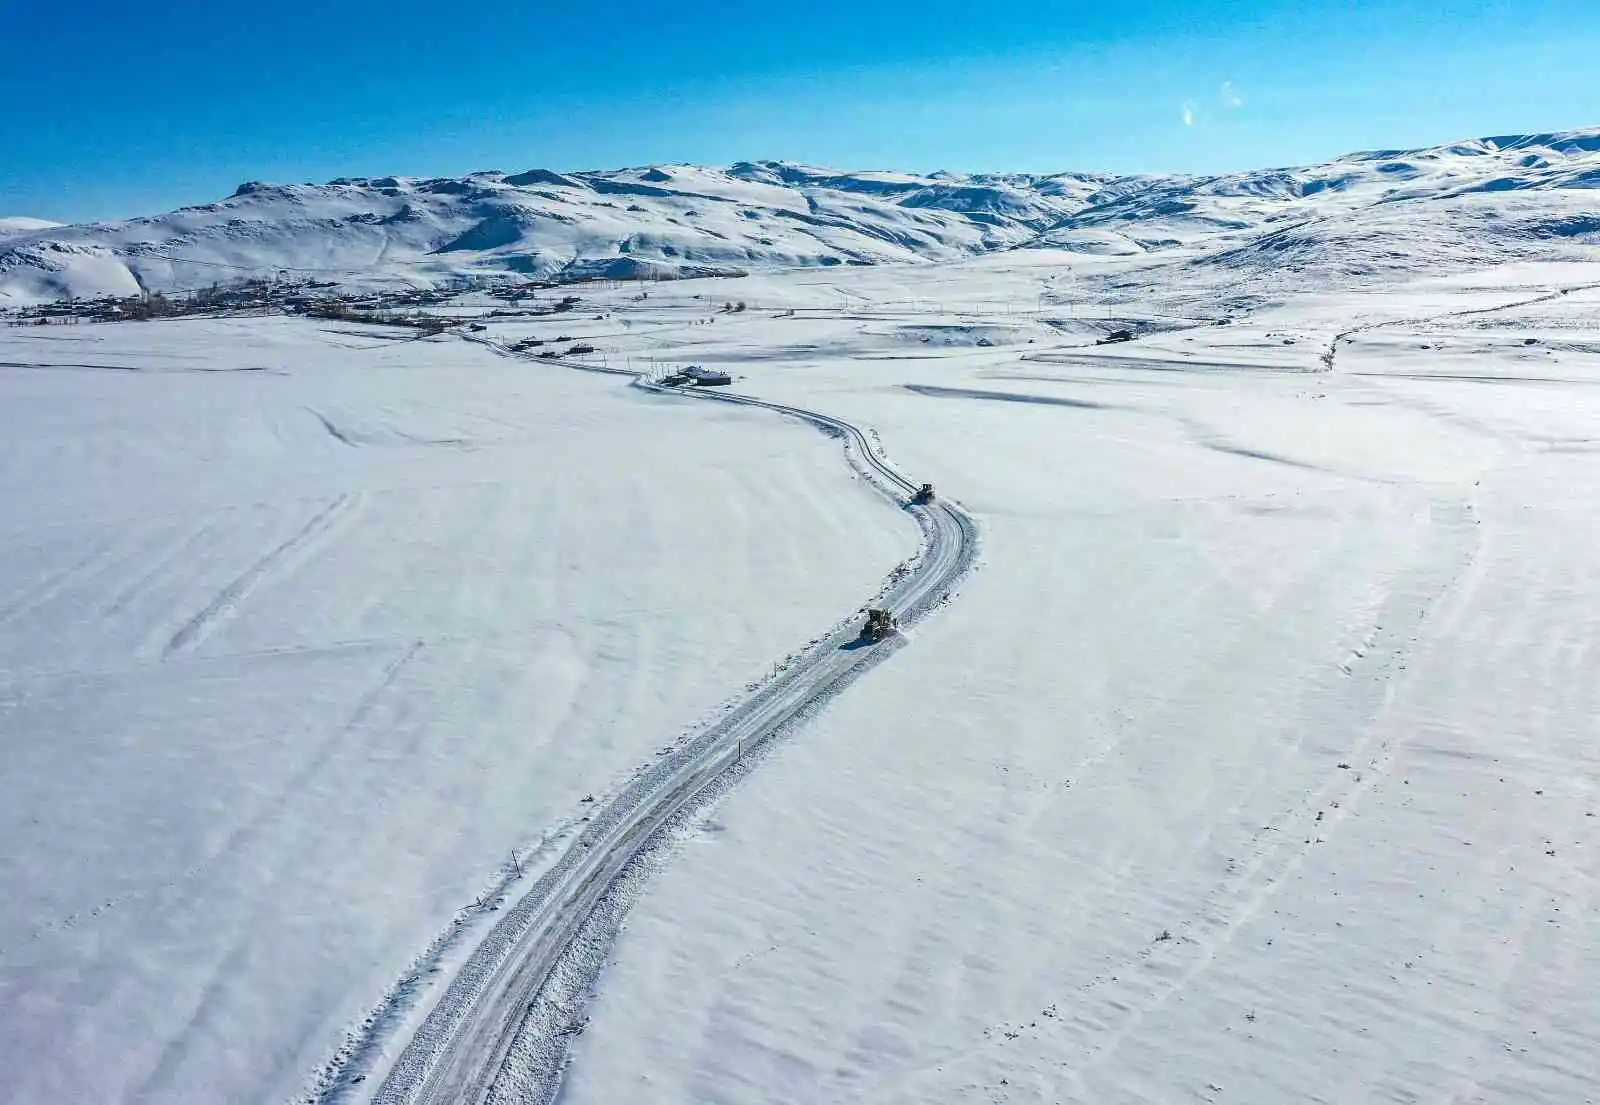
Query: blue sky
(113, 109)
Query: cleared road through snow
(459, 1050)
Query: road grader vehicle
(924, 495)
(880, 623)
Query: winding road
(524, 964)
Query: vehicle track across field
(544, 953)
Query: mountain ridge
(1471, 201)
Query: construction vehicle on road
(924, 495)
(880, 623)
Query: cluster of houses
(695, 376)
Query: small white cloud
(1230, 95)
(1188, 113)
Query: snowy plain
(1256, 763)
(306, 629)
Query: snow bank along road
(460, 1049)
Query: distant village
(316, 299)
(407, 308)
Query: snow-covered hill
(16, 225)
(673, 220)
(1453, 206)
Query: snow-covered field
(303, 630)
(1257, 762)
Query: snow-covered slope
(1458, 206)
(1384, 210)
(11, 227)
(675, 220)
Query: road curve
(460, 1049)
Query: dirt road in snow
(539, 957)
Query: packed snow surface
(1257, 762)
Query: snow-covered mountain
(15, 225)
(1454, 206)
(670, 220)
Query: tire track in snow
(226, 604)
(95, 563)
(163, 564)
(519, 996)
(1330, 354)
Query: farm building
(706, 377)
